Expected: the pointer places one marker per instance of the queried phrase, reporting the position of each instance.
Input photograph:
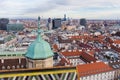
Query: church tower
(39, 53)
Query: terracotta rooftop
(84, 45)
(33, 37)
(101, 37)
(64, 60)
(55, 47)
(92, 68)
(72, 53)
(91, 52)
(64, 41)
(76, 37)
(116, 41)
(84, 56)
(88, 58)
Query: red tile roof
(88, 58)
(79, 37)
(72, 53)
(91, 52)
(92, 68)
(55, 47)
(33, 37)
(84, 45)
(116, 41)
(76, 37)
(85, 56)
(65, 60)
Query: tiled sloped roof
(72, 53)
(101, 37)
(76, 37)
(83, 55)
(65, 60)
(117, 41)
(55, 47)
(92, 52)
(88, 57)
(92, 68)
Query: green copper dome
(39, 49)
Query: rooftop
(11, 53)
(117, 41)
(92, 68)
(72, 53)
(79, 53)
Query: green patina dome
(39, 49)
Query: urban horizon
(90, 9)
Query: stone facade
(12, 63)
(45, 63)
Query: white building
(96, 71)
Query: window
(22, 66)
(8, 67)
(13, 67)
(18, 66)
(19, 60)
(3, 67)
(2, 60)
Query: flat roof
(12, 53)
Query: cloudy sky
(91, 9)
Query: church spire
(39, 49)
(39, 31)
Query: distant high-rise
(105, 23)
(3, 23)
(49, 20)
(49, 24)
(64, 17)
(56, 23)
(83, 22)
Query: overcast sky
(91, 9)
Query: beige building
(40, 63)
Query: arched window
(22, 66)
(2, 60)
(8, 67)
(18, 66)
(3, 67)
(13, 67)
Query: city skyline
(90, 9)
